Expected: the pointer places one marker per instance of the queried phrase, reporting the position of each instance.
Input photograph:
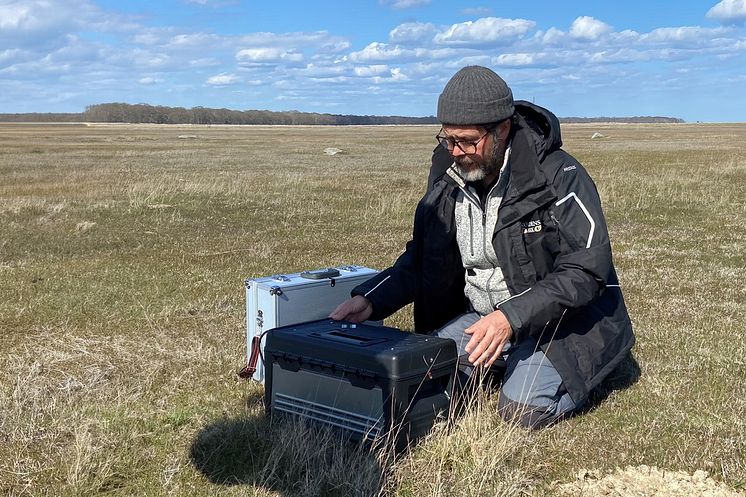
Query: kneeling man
(510, 255)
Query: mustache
(466, 161)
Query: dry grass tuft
(473, 454)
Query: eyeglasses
(466, 146)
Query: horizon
(431, 116)
(376, 58)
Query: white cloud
(398, 75)
(204, 62)
(691, 35)
(331, 79)
(594, 41)
(35, 16)
(728, 12)
(626, 37)
(144, 58)
(268, 55)
(10, 55)
(305, 39)
(412, 32)
(47, 24)
(404, 4)
(149, 81)
(43, 22)
(192, 40)
(12, 16)
(588, 28)
(395, 75)
(455, 63)
(369, 71)
(514, 59)
(322, 71)
(622, 55)
(378, 52)
(488, 30)
(335, 46)
(223, 79)
(552, 36)
(146, 38)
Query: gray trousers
(532, 393)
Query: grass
(122, 255)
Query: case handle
(250, 368)
(320, 274)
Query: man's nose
(456, 152)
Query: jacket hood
(536, 133)
(543, 126)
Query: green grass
(123, 251)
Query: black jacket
(553, 247)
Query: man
(510, 255)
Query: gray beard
(471, 175)
(483, 168)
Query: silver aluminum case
(287, 299)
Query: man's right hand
(357, 309)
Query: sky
(677, 58)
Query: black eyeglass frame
(450, 144)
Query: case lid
(320, 276)
(365, 349)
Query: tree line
(156, 114)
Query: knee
(529, 416)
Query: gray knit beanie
(475, 95)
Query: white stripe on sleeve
(585, 211)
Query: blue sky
(381, 57)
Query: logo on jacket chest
(531, 226)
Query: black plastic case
(375, 382)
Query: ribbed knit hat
(475, 95)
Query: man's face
(486, 147)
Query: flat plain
(123, 250)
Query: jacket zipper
(570, 241)
(484, 244)
(471, 231)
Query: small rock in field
(84, 226)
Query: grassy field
(123, 251)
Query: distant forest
(154, 114)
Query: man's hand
(488, 337)
(357, 309)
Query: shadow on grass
(231, 451)
(624, 376)
(285, 456)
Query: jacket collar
(526, 175)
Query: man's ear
(503, 129)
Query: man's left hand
(488, 337)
